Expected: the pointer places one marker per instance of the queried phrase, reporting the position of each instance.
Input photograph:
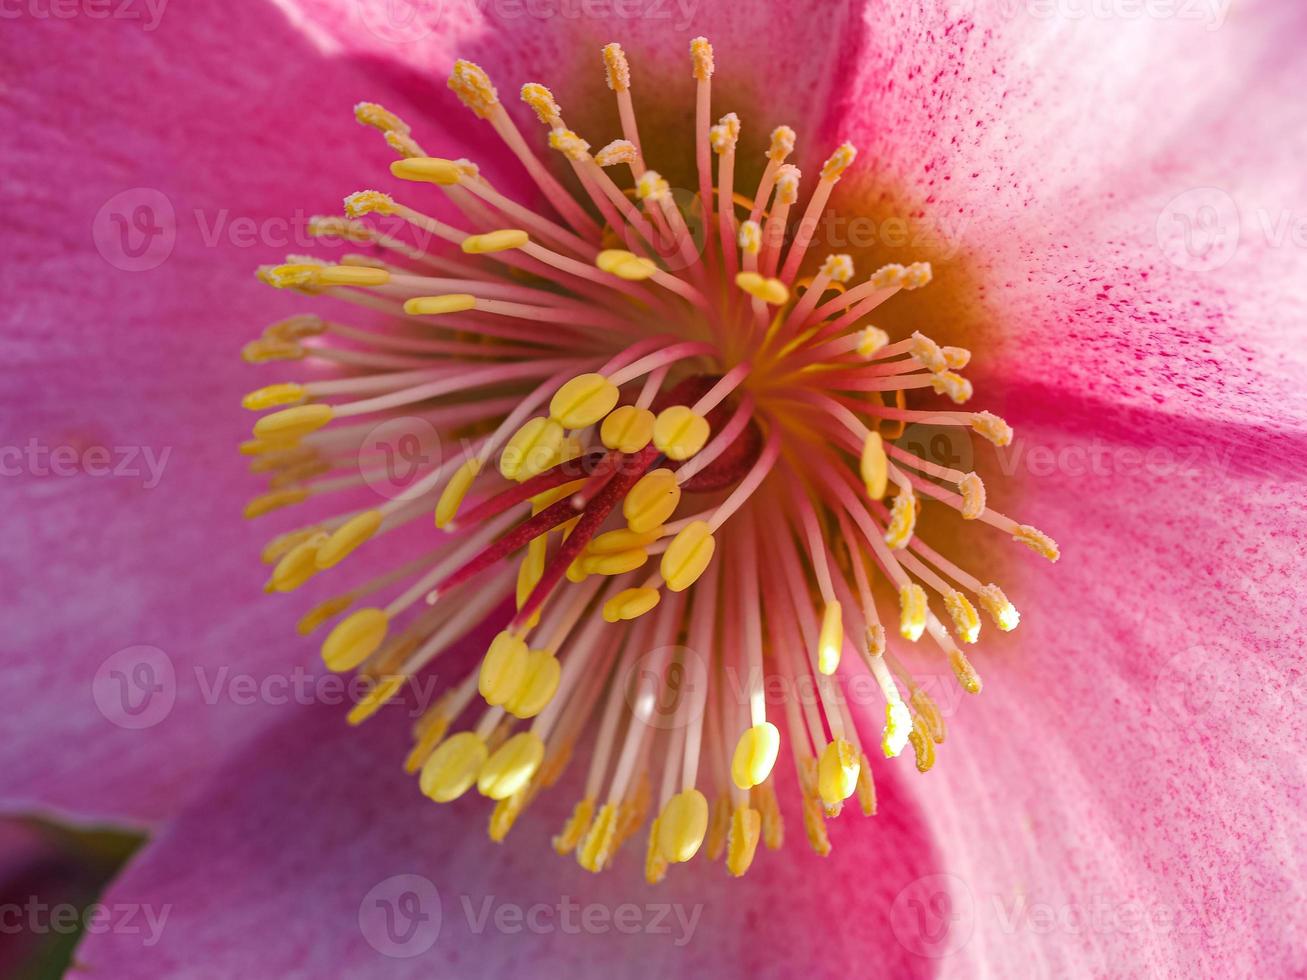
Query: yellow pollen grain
(755, 755)
(574, 830)
(618, 151)
(354, 639)
(924, 749)
(956, 357)
(965, 673)
(682, 826)
(627, 429)
(874, 466)
(506, 812)
(725, 134)
(379, 118)
(903, 520)
(928, 353)
(349, 536)
(532, 449)
(917, 275)
(651, 187)
(782, 144)
(964, 615)
(569, 144)
(473, 87)
(950, 383)
(655, 865)
(334, 226)
(912, 612)
(583, 401)
(293, 423)
(297, 566)
(837, 772)
(352, 275)
(541, 101)
(838, 268)
(428, 170)
(512, 766)
(503, 669)
(830, 643)
(625, 265)
(773, 826)
(404, 145)
(595, 850)
(993, 428)
(866, 790)
(440, 305)
(372, 702)
(688, 556)
(451, 498)
(651, 501)
(453, 767)
(769, 290)
(538, 687)
(679, 432)
(268, 502)
(616, 67)
(615, 564)
(750, 238)
(871, 340)
(787, 184)
(1037, 541)
(495, 241)
(814, 822)
(702, 58)
(622, 539)
(742, 840)
(898, 726)
(888, 276)
(369, 202)
(972, 489)
(322, 612)
(838, 162)
(1001, 611)
(630, 604)
(272, 395)
(263, 350)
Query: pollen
(671, 465)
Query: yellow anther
(473, 87)
(874, 465)
(972, 489)
(369, 202)
(782, 144)
(719, 824)
(964, 615)
(682, 826)
(537, 689)
(372, 702)
(379, 118)
(429, 732)
(965, 673)
(866, 791)
(354, 639)
(838, 268)
(357, 261)
(787, 184)
(755, 755)
(584, 401)
(652, 188)
(322, 612)
(618, 151)
(928, 353)
(440, 305)
(453, 767)
(838, 162)
(625, 265)
(292, 423)
(268, 502)
(627, 429)
(576, 572)
(512, 766)
(616, 67)
(830, 643)
(954, 385)
(596, 848)
(679, 432)
(687, 556)
(428, 170)
(1001, 611)
(701, 55)
(651, 501)
(916, 275)
(615, 564)
(264, 349)
(876, 640)
(992, 428)
(541, 101)
(295, 327)
(837, 772)
(569, 144)
(924, 749)
(763, 798)
(506, 812)
(620, 540)
(742, 841)
(888, 276)
(956, 357)
(1037, 541)
(334, 226)
(503, 669)
(814, 822)
(898, 726)
(451, 498)
(352, 275)
(495, 241)
(350, 535)
(769, 290)
(297, 566)
(404, 145)
(655, 865)
(532, 449)
(725, 134)
(270, 395)
(567, 840)
(912, 612)
(902, 521)
(530, 572)
(630, 604)
(750, 238)
(871, 340)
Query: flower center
(680, 458)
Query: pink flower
(1109, 212)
